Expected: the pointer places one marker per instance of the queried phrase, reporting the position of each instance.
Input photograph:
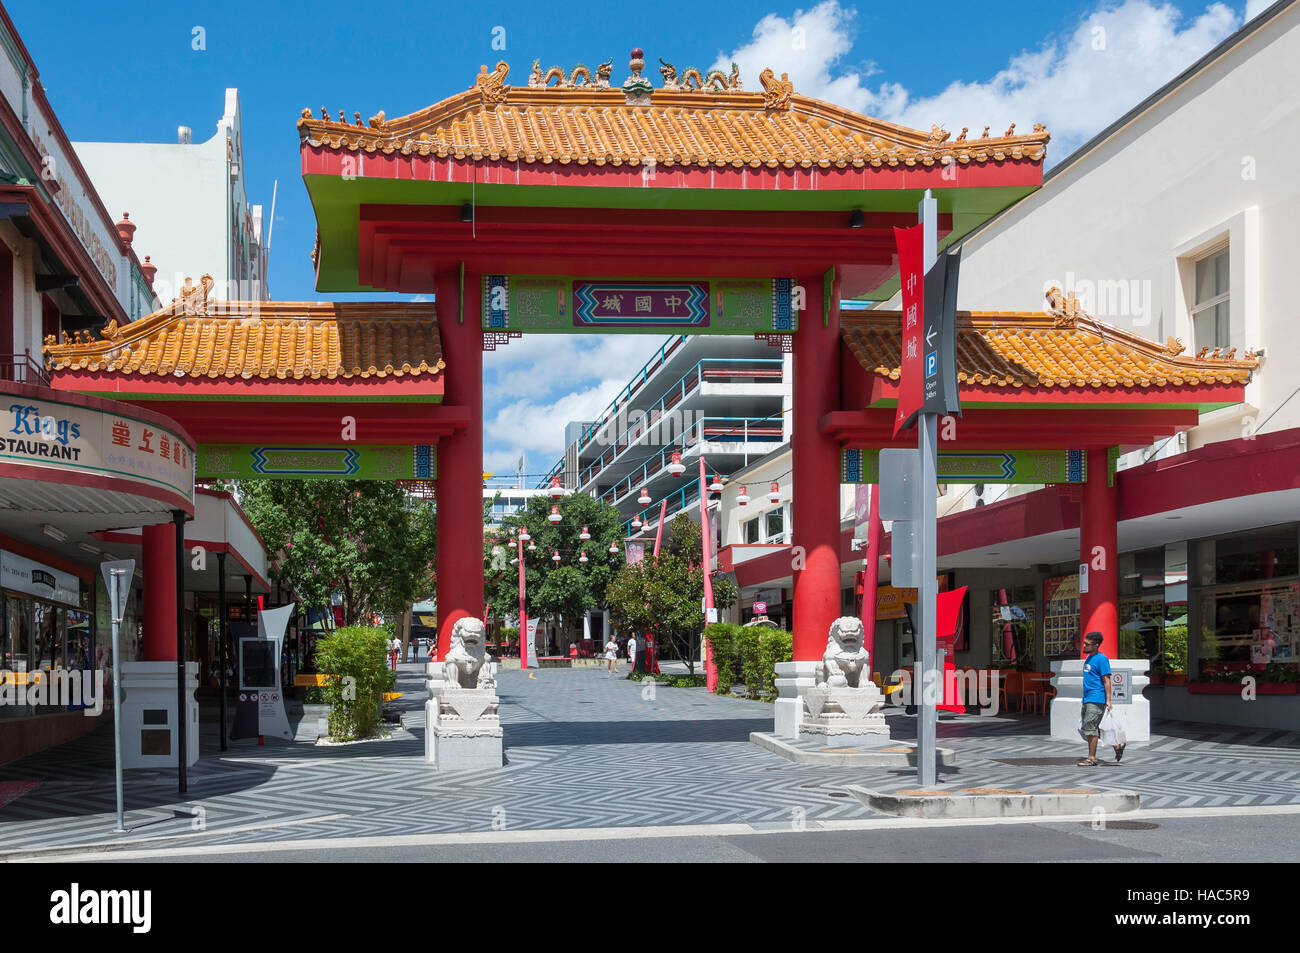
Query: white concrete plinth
(793, 679)
(149, 714)
(1067, 706)
(466, 753)
(433, 682)
(836, 714)
(462, 726)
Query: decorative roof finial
(636, 88)
(492, 88)
(776, 92)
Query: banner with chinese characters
(1004, 466)
(560, 304)
(72, 438)
(247, 461)
(911, 269)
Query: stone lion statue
(466, 665)
(845, 663)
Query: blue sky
(129, 73)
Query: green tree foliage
(356, 663)
(664, 598)
(366, 539)
(564, 590)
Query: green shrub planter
(358, 658)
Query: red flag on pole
(911, 272)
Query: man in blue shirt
(1096, 696)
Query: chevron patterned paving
(584, 750)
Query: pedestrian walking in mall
(1096, 697)
(611, 655)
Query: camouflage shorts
(1091, 721)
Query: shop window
(1061, 637)
(1211, 323)
(1011, 624)
(1248, 557)
(1248, 626)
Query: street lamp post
(523, 612)
(710, 670)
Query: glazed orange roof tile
(285, 340)
(693, 119)
(1037, 349)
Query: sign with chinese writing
(563, 304)
(1009, 466)
(642, 304)
(240, 461)
(70, 437)
(19, 574)
(911, 268)
(760, 608)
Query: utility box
(149, 721)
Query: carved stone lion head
(468, 632)
(846, 633)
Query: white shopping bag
(1112, 729)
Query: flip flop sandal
(1119, 752)
(1088, 763)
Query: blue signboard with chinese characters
(560, 304)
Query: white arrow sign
(929, 338)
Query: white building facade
(725, 398)
(1175, 222)
(189, 202)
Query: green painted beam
(337, 203)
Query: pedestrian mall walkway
(584, 751)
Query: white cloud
(1076, 84)
(536, 385)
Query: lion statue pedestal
(462, 715)
(844, 704)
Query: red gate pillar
(460, 457)
(816, 472)
(159, 568)
(1099, 549)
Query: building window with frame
(774, 521)
(750, 530)
(1211, 318)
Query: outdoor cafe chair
(1008, 685)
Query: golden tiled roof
(1034, 349)
(701, 121)
(285, 340)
